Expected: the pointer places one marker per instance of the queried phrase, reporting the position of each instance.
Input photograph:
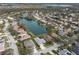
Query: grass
(42, 54)
(48, 44)
(13, 32)
(8, 52)
(21, 49)
(38, 47)
(41, 36)
(54, 51)
(32, 37)
(48, 53)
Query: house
(66, 52)
(48, 38)
(40, 42)
(76, 48)
(22, 34)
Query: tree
(49, 29)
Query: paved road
(55, 46)
(12, 40)
(35, 50)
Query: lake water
(33, 26)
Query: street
(11, 39)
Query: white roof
(39, 41)
(2, 48)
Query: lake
(33, 26)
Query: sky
(39, 1)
